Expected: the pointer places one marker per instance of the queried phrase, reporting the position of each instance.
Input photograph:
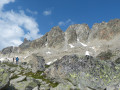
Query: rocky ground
(21, 77)
(71, 72)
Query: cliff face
(77, 32)
(77, 38)
(105, 31)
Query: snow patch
(48, 52)
(46, 44)
(51, 62)
(10, 59)
(2, 59)
(71, 46)
(26, 56)
(87, 53)
(54, 60)
(48, 63)
(93, 48)
(83, 44)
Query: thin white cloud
(32, 12)
(15, 26)
(63, 23)
(3, 2)
(47, 12)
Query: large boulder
(85, 72)
(105, 55)
(18, 80)
(23, 85)
(37, 62)
(4, 79)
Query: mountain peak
(57, 28)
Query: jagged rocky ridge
(64, 53)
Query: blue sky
(39, 16)
(78, 11)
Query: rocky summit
(78, 59)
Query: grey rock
(37, 62)
(105, 55)
(71, 35)
(84, 70)
(26, 44)
(44, 87)
(39, 80)
(4, 79)
(65, 86)
(30, 79)
(12, 69)
(7, 50)
(18, 79)
(77, 32)
(105, 31)
(11, 75)
(117, 61)
(25, 85)
(55, 37)
(36, 88)
(39, 43)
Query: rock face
(38, 43)
(25, 44)
(77, 32)
(7, 50)
(55, 37)
(4, 79)
(82, 71)
(105, 31)
(37, 62)
(71, 35)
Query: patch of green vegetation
(10, 64)
(74, 75)
(117, 61)
(39, 75)
(21, 67)
(46, 66)
(16, 76)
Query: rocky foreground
(69, 73)
(78, 59)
